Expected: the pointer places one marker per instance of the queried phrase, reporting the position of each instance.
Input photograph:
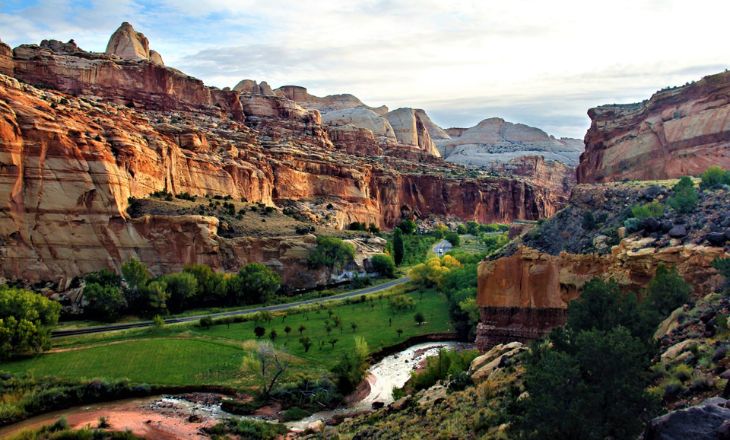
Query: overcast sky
(543, 63)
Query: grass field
(187, 354)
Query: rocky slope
(82, 132)
(678, 131)
(524, 292)
(495, 141)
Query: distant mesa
(495, 140)
(128, 44)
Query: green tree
(182, 288)
(665, 292)
(26, 319)
(332, 253)
(461, 229)
(594, 389)
(255, 283)
(419, 318)
(472, 227)
(407, 226)
(685, 197)
(135, 275)
(398, 247)
(383, 264)
(105, 302)
(155, 294)
(212, 286)
(453, 238)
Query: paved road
(442, 247)
(273, 308)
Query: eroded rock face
(254, 88)
(677, 132)
(327, 103)
(411, 130)
(525, 295)
(104, 129)
(6, 59)
(495, 140)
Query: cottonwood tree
(267, 365)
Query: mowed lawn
(189, 355)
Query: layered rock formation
(495, 140)
(525, 295)
(325, 104)
(104, 129)
(6, 59)
(678, 131)
(524, 292)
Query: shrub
(632, 224)
(104, 277)
(352, 366)
(647, 210)
(383, 264)
(589, 221)
(685, 197)
(212, 286)
(205, 322)
(453, 238)
(331, 252)
(714, 177)
(448, 363)
(665, 292)
(136, 276)
(723, 266)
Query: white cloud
(536, 61)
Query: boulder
(316, 426)
(678, 231)
(676, 349)
(700, 422)
(156, 58)
(716, 238)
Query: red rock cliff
(525, 295)
(680, 131)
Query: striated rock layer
(679, 131)
(103, 129)
(525, 295)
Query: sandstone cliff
(104, 129)
(678, 131)
(525, 295)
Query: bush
(383, 264)
(647, 210)
(352, 366)
(632, 224)
(205, 322)
(685, 197)
(331, 252)
(453, 238)
(26, 319)
(714, 177)
(212, 286)
(665, 292)
(448, 363)
(104, 277)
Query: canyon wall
(523, 296)
(678, 131)
(81, 133)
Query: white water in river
(391, 372)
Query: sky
(542, 63)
